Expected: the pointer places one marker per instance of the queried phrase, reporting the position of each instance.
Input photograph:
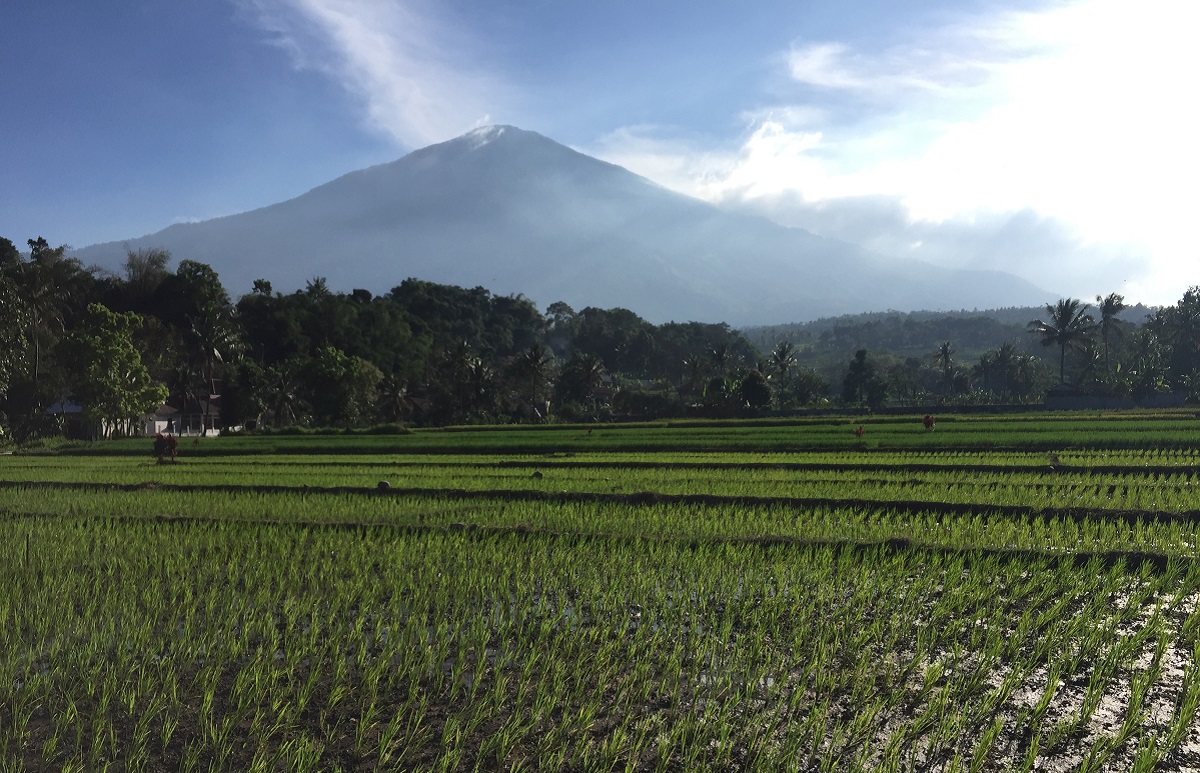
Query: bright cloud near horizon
(1055, 140)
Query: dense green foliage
(996, 356)
(108, 376)
(424, 354)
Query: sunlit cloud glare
(1079, 117)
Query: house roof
(65, 405)
(162, 412)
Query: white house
(163, 419)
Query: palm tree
(1109, 308)
(283, 390)
(534, 363)
(783, 358)
(394, 404)
(579, 379)
(481, 381)
(1006, 363)
(720, 355)
(944, 356)
(693, 374)
(986, 369)
(1069, 326)
(213, 337)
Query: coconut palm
(1109, 308)
(694, 367)
(944, 356)
(1069, 327)
(581, 376)
(783, 358)
(283, 390)
(394, 404)
(533, 365)
(720, 356)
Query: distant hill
(518, 213)
(915, 333)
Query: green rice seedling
(1148, 754)
(891, 759)
(1136, 712)
(302, 753)
(1052, 684)
(1097, 755)
(983, 747)
(1031, 753)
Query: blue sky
(1056, 140)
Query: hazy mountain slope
(517, 213)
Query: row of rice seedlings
(245, 646)
(271, 469)
(1040, 432)
(1170, 493)
(640, 519)
(1037, 490)
(1162, 493)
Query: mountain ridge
(518, 213)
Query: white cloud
(888, 76)
(404, 64)
(1078, 117)
(669, 159)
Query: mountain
(516, 212)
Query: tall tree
(863, 382)
(562, 326)
(10, 256)
(803, 387)
(394, 404)
(51, 285)
(13, 322)
(783, 359)
(207, 324)
(720, 355)
(1178, 328)
(282, 390)
(145, 270)
(342, 388)
(1069, 326)
(533, 367)
(109, 379)
(622, 340)
(1109, 307)
(754, 390)
(944, 358)
(578, 380)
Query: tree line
(1072, 348)
(120, 344)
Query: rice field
(701, 596)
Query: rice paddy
(1003, 593)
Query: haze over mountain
(516, 212)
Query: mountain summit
(516, 212)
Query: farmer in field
(165, 446)
(928, 422)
